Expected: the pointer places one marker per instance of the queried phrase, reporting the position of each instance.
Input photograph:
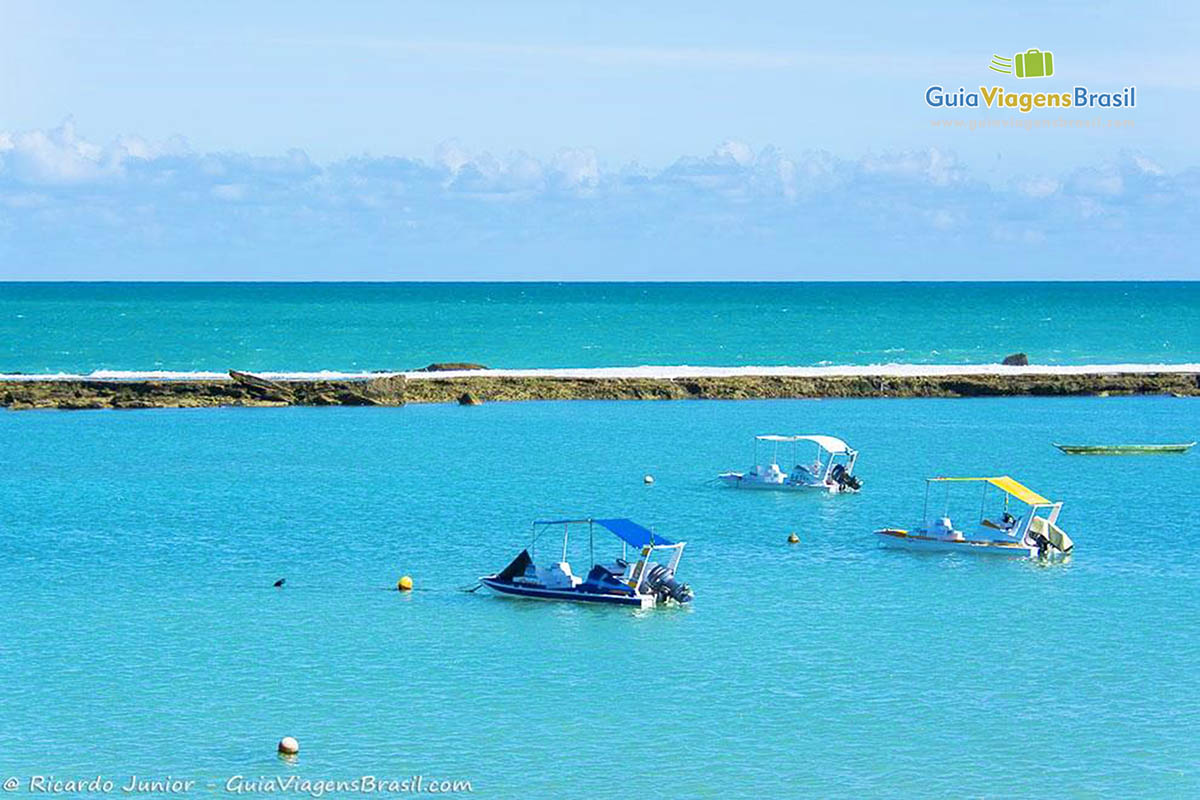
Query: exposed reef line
(246, 389)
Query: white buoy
(288, 746)
(649, 479)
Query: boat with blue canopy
(643, 582)
(1032, 532)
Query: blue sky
(551, 140)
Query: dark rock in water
(447, 366)
(279, 583)
(1016, 360)
(468, 399)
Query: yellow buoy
(288, 746)
(405, 584)
(793, 538)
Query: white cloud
(61, 193)
(1104, 182)
(932, 165)
(58, 156)
(229, 191)
(1148, 166)
(739, 152)
(452, 156)
(1039, 187)
(577, 167)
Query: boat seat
(560, 574)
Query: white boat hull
(904, 540)
(739, 481)
(510, 590)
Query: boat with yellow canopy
(1030, 532)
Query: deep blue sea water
(140, 633)
(396, 326)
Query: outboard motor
(1049, 538)
(844, 479)
(662, 582)
(1043, 544)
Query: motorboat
(1124, 449)
(831, 470)
(643, 582)
(1029, 533)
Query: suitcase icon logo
(1033, 63)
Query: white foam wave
(644, 371)
(844, 370)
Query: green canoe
(1122, 449)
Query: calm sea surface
(353, 327)
(140, 633)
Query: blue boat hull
(569, 595)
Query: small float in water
(832, 470)
(1123, 449)
(1031, 534)
(643, 583)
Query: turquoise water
(354, 327)
(141, 633)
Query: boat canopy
(830, 444)
(1012, 487)
(631, 533)
(626, 530)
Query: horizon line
(560, 281)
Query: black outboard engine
(662, 582)
(844, 478)
(1043, 544)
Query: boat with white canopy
(643, 582)
(1027, 533)
(831, 469)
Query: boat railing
(1027, 522)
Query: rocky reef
(240, 389)
(245, 389)
(498, 389)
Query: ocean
(355, 327)
(141, 633)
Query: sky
(758, 140)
